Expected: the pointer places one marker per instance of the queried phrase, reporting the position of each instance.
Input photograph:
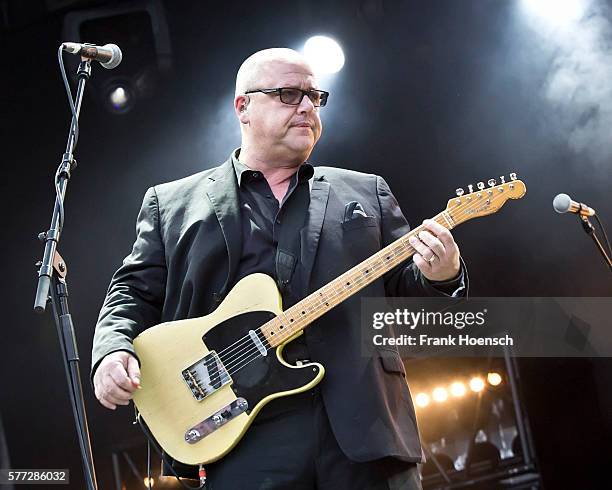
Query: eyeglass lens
(294, 96)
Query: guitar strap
(288, 248)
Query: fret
(344, 286)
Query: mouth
(302, 125)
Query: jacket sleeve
(136, 293)
(406, 279)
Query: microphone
(108, 55)
(563, 203)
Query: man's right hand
(116, 379)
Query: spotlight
(324, 54)
(477, 384)
(422, 399)
(457, 389)
(119, 96)
(494, 379)
(440, 394)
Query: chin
(297, 155)
(304, 146)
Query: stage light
(556, 12)
(119, 96)
(494, 379)
(440, 394)
(146, 482)
(324, 54)
(477, 384)
(422, 399)
(457, 389)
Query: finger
(439, 231)
(133, 370)
(112, 388)
(433, 226)
(110, 398)
(104, 403)
(120, 379)
(112, 393)
(433, 243)
(421, 248)
(421, 263)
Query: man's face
(279, 130)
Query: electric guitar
(204, 380)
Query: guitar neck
(302, 314)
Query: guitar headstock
(484, 200)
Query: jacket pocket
(361, 222)
(392, 362)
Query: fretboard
(302, 314)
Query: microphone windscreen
(562, 203)
(116, 58)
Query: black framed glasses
(294, 96)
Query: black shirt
(262, 218)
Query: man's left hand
(437, 254)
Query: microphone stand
(590, 230)
(52, 285)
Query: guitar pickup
(205, 376)
(216, 420)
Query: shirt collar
(305, 171)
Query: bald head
(260, 66)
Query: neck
(277, 171)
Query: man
(198, 236)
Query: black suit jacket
(183, 262)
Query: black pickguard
(264, 375)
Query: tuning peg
(480, 186)
(491, 182)
(503, 179)
(513, 176)
(470, 188)
(459, 192)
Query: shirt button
(256, 175)
(278, 221)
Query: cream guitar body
(200, 415)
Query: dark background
(434, 95)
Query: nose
(306, 105)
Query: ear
(241, 103)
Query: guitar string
(381, 264)
(439, 218)
(356, 280)
(252, 349)
(443, 222)
(227, 350)
(329, 298)
(254, 354)
(235, 365)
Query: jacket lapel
(311, 233)
(222, 191)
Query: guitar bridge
(216, 420)
(206, 376)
